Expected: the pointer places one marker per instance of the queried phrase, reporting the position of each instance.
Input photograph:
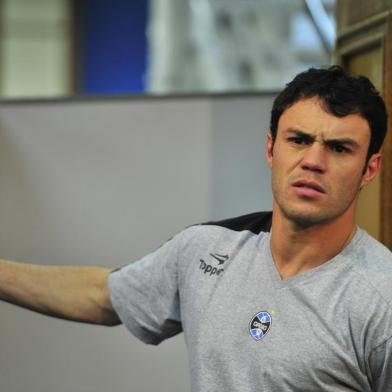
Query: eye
(339, 148)
(299, 140)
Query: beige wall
(35, 48)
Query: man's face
(318, 162)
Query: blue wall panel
(114, 46)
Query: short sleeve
(145, 294)
(380, 362)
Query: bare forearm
(75, 293)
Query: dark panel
(113, 46)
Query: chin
(305, 219)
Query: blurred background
(57, 48)
(124, 121)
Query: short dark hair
(341, 95)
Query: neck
(296, 249)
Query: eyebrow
(336, 141)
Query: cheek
(348, 182)
(286, 161)
(279, 179)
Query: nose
(314, 158)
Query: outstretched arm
(73, 293)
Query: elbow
(109, 319)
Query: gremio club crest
(260, 325)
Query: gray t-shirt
(246, 329)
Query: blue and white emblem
(260, 325)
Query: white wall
(103, 182)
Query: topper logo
(210, 269)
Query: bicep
(108, 315)
(145, 294)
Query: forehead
(309, 116)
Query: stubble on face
(303, 218)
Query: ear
(269, 149)
(372, 169)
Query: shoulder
(372, 261)
(372, 256)
(255, 222)
(231, 230)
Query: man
(296, 300)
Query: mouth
(310, 185)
